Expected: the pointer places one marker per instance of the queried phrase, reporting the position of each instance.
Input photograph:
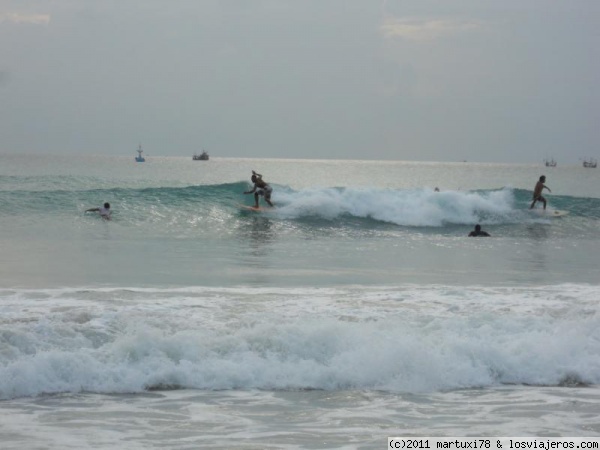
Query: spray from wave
(408, 208)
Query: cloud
(35, 19)
(425, 30)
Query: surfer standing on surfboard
(260, 188)
(537, 192)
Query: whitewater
(355, 310)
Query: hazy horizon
(417, 80)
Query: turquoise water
(355, 310)
(178, 222)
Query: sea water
(355, 310)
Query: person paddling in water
(104, 211)
(260, 188)
(478, 232)
(537, 192)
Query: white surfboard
(549, 212)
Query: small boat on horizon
(590, 163)
(550, 162)
(201, 157)
(139, 157)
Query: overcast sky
(433, 80)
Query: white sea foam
(417, 207)
(401, 339)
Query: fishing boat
(550, 162)
(139, 157)
(592, 163)
(201, 157)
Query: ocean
(355, 310)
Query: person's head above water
(543, 178)
(107, 205)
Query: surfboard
(252, 208)
(549, 212)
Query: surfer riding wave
(261, 188)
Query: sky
(513, 81)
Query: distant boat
(139, 157)
(550, 162)
(201, 157)
(590, 162)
